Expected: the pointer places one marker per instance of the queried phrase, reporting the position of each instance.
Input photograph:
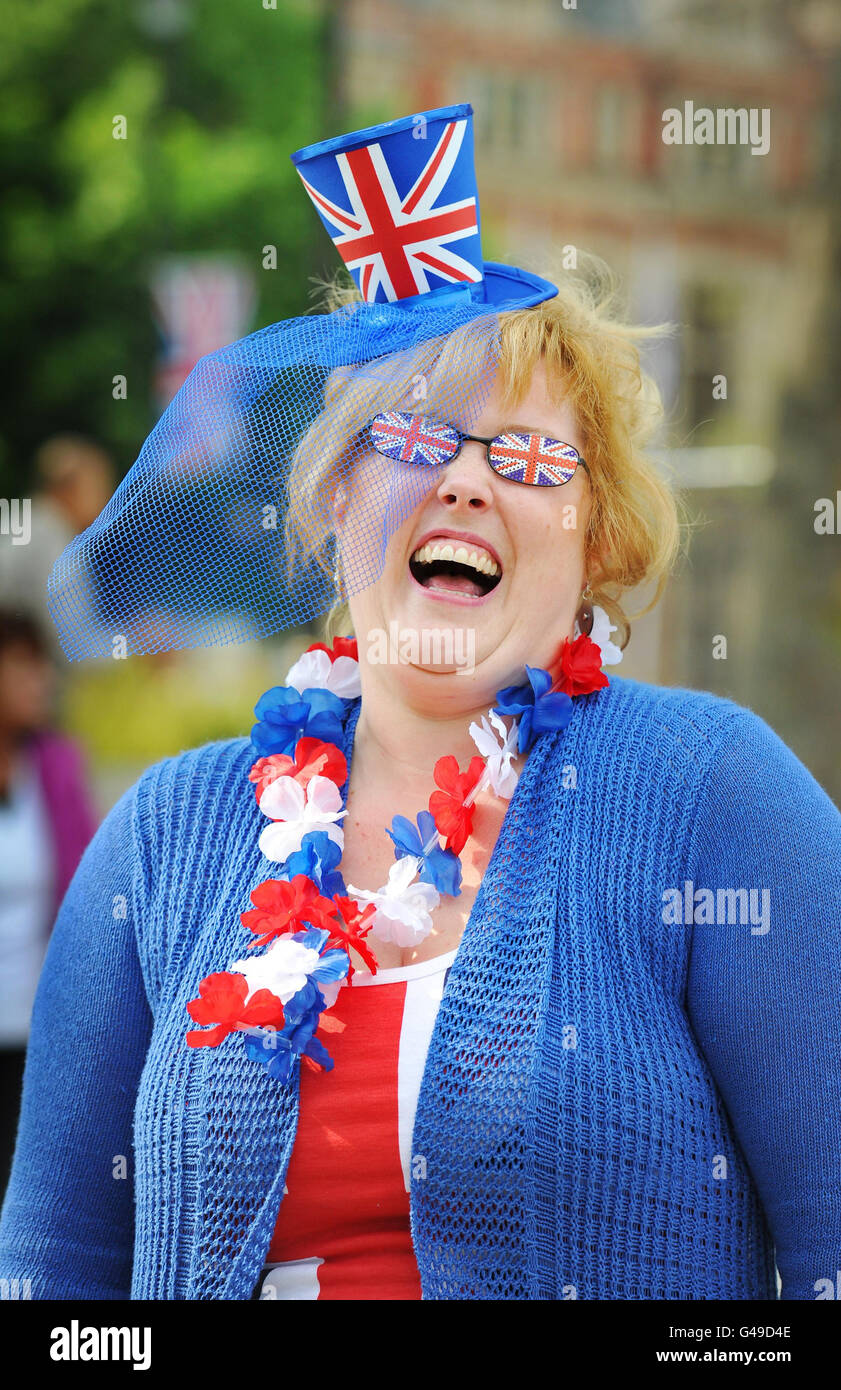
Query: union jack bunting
(533, 458)
(396, 225)
(412, 439)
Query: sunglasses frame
(487, 441)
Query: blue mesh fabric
(223, 529)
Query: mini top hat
(190, 551)
(400, 202)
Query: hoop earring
(584, 616)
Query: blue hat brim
(503, 287)
(508, 287)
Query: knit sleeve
(67, 1226)
(764, 988)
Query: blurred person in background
(73, 479)
(46, 820)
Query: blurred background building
(739, 251)
(126, 258)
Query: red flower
(353, 925)
(313, 757)
(222, 1002)
(577, 668)
(287, 905)
(267, 770)
(342, 646)
(451, 816)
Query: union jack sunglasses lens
(534, 459)
(407, 438)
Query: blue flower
(318, 858)
(441, 867)
(318, 1052)
(278, 1052)
(537, 711)
(332, 966)
(313, 937)
(285, 716)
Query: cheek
(359, 524)
(550, 536)
(384, 500)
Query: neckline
(394, 974)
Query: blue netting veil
(224, 528)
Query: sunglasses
(519, 456)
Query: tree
(213, 100)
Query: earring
(337, 581)
(584, 616)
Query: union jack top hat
(400, 203)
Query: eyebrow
(528, 429)
(506, 429)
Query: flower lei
(309, 920)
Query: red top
(343, 1231)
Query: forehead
(486, 412)
(537, 408)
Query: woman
(554, 1037)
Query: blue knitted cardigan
(613, 1106)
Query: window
(710, 315)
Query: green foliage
(211, 114)
(114, 708)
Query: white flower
(497, 752)
(315, 671)
(330, 991)
(602, 628)
(403, 907)
(297, 811)
(283, 969)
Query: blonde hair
(592, 360)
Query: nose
(467, 480)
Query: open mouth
(455, 567)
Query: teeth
(478, 559)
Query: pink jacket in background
(70, 812)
